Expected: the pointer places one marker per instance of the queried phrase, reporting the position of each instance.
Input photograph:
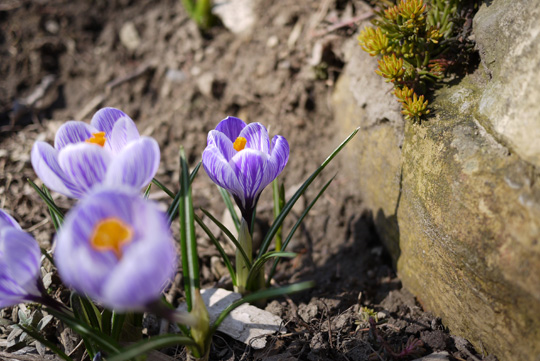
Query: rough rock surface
(454, 199)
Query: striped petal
(45, 162)
(73, 132)
(105, 118)
(279, 157)
(19, 266)
(139, 266)
(79, 265)
(21, 256)
(7, 221)
(135, 165)
(256, 136)
(223, 143)
(220, 170)
(123, 132)
(148, 260)
(231, 127)
(249, 166)
(85, 164)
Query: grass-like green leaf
(50, 203)
(229, 235)
(261, 295)
(101, 340)
(295, 227)
(188, 241)
(147, 191)
(163, 188)
(220, 249)
(117, 321)
(173, 208)
(230, 206)
(289, 205)
(278, 196)
(56, 221)
(260, 262)
(37, 336)
(152, 343)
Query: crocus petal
(123, 132)
(231, 127)
(148, 260)
(73, 132)
(21, 254)
(146, 281)
(7, 221)
(223, 143)
(45, 162)
(105, 118)
(79, 265)
(220, 171)
(249, 166)
(256, 136)
(279, 156)
(136, 165)
(85, 164)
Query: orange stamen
(97, 138)
(110, 235)
(240, 143)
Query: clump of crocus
(117, 248)
(409, 35)
(19, 264)
(241, 159)
(108, 151)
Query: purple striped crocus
(108, 151)
(19, 264)
(241, 159)
(117, 248)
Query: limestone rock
(508, 37)
(455, 201)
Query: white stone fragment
(436, 356)
(129, 36)
(246, 323)
(237, 15)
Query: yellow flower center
(240, 143)
(97, 138)
(110, 235)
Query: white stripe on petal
(105, 118)
(249, 165)
(73, 132)
(256, 136)
(220, 171)
(45, 162)
(124, 131)
(85, 164)
(135, 165)
(223, 143)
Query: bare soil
(63, 60)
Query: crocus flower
(241, 159)
(19, 264)
(108, 151)
(117, 248)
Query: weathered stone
(456, 203)
(508, 37)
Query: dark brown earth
(177, 84)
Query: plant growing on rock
(414, 39)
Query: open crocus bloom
(116, 247)
(108, 151)
(240, 158)
(19, 263)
